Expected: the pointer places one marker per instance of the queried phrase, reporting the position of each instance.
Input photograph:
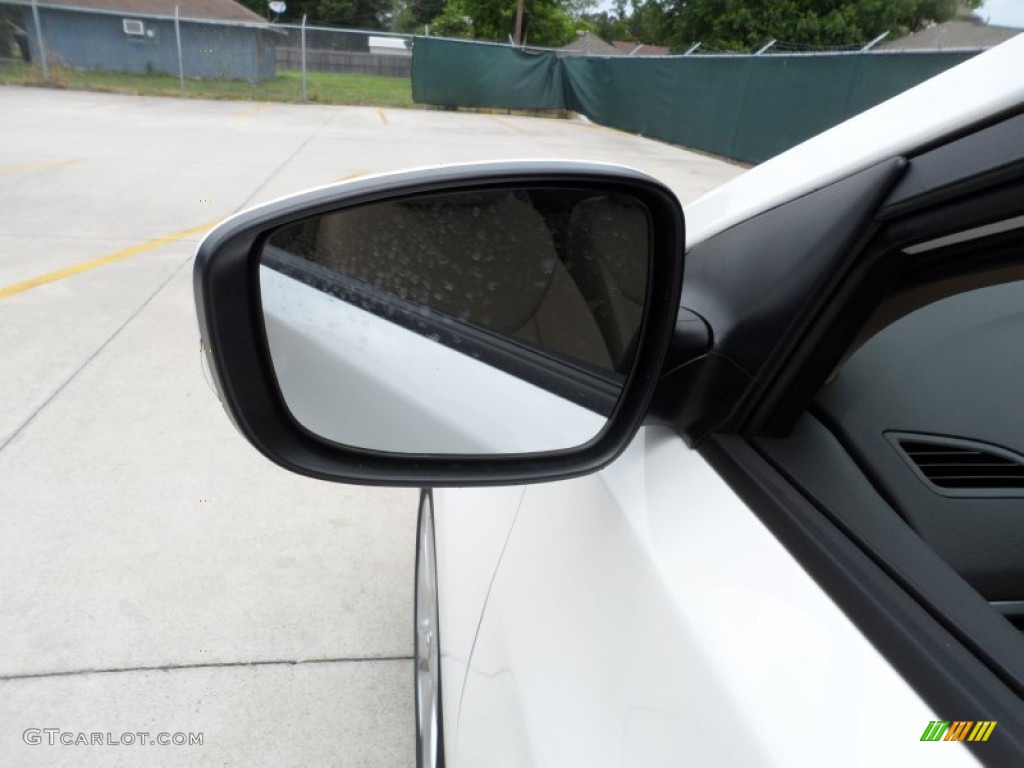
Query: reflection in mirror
(473, 323)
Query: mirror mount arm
(699, 387)
(691, 339)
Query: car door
(805, 580)
(646, 617)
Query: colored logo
(959, 730)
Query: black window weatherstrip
(976, 182)
(981, 159)
(1012, 610)
(941, 670)
(821, 458)
(581, 384)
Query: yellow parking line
(41, 165)
(253, 110)
(510, 126)
(110, 258)
(383, 117)
(599, 127)
(353, 175)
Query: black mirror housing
(234, 337)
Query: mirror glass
(474, 323)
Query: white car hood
(954, 100)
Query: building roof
(215, 10)
(587, 44)
(958, 33)
(640, 49)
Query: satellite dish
(277, 6)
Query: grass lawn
(321, 87)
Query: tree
(356, 14)
(745, 24)
(650, 22)
(425, 11)
(412, 16)
(608, 25)
(545, 22)
(642, 21)
(453, 21)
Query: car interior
(601, 255)
(414, 250)
(580, 296)
(921, 422)
(930, 406)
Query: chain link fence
(327, 49)
(292, 61)
(776, 47)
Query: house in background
(640, 49)
(587, 44)
(965, 32)
(219, 38)
(956, 35)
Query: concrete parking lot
(158, 575)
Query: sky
(1003, 13)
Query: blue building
(219, 38)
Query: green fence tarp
(484, 75)
(745, 107)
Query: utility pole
(519, 21)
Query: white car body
(644, 616)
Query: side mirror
(481, 324)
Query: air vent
(133, 27)
(962, 465)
